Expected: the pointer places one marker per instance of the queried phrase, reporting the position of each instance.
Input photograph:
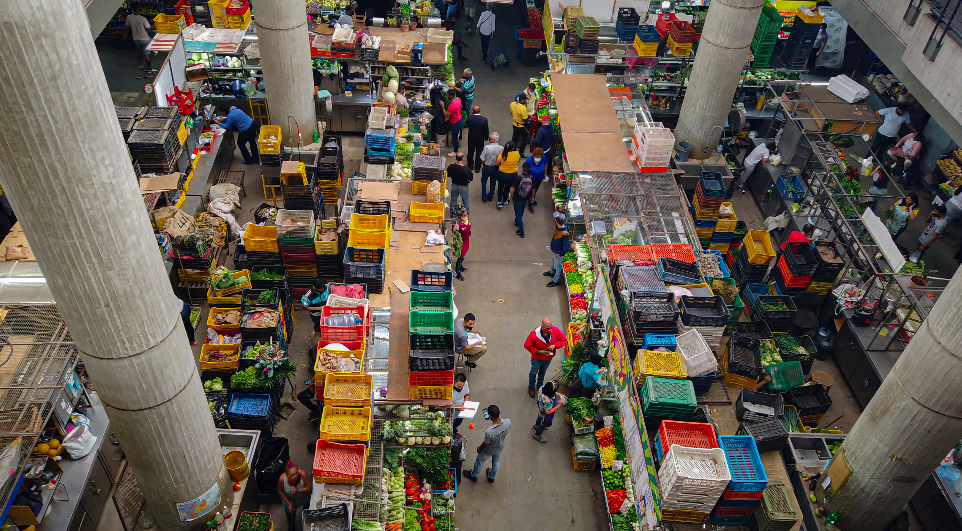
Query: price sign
(625, 507)
(617, 464)
(609, 421)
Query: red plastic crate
(343, 333)
(339, 463)
(790, 280)
(237, 11)
(637, 253)
(431, 378)
(327, 311)
(742, 495)
(678, 251)
(734, 511)
(664, 23)
(298, 259)
(182, 8)
(687, 434)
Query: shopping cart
(499, 54)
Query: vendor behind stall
(246, 131)
(760, 153)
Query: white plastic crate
(697, 471)
(346, 212)
(698, 356)
(295, 223)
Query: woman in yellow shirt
(507, 170)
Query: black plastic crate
(374, 208)
(769, 434)
(800, 259)
(828, 267)
(364, 263)
(704, 311)
(809, 400)
(773, 401)
(742, 357)
(431, 281)
(628, 16)
(333, 518)
(250, 295)
(671, 270)
(432, 359)
(777, 315)
(269, 284)
(642, 280)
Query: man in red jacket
(543, 343)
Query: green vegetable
(214, 384)
(364, 525)
(432, 461)
(264, 274)
(613, 479)
(245, 380)
(411, 522)
(254, 522)
(581, 410)
(391, 458)
(769, 353)
(268, 296)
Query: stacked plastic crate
(228, 14)
(627, 24)
(154, 141)
(299, 189)
(801, 40)
(646, 41)
(645, 302)
(329, 169)
(327, 251)
(681, 38)
(776, 512)
(379, 146)
(278, 283)
(794, 269)
(688, 508)
(370, 232)
(431, 334)
(295, 238)
(368, 265)
(724, 234)
(667, 398)
(587, 29)
(830, 264)
(766, 34)
(743, 493)
(708, 198)
(700, 363)
(269, 145)
(750, 263)
(651, 145)
(691, 480)
(741, 362)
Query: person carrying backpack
(521, 196)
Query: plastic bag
(585, 446)
(777, 222)
(79, 441)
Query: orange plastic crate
(640, 253)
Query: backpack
(524, 188)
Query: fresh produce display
(769, 352)
(708, 262)
(581, 411)
(534, 19)
(767, 75)
(364, 525)
(268, 296)
(443, 505)
(788, 345)
(221, 278)
(613, 479)
(193, 315)
(254, 522)
(395, 490)
(432, 430)
(530, 33)
(619, 437)
(729, 292)
(245, 380)
(776, 307)
(265, 349)
(606, 446)
(327, 361)
(620, 523)
(214, 384)
(616, 497)
(432, 461)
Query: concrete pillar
(66, 170)
(909, 426)
(724, 45)
(286, 59)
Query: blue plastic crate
(702, 224)
(722, 237)
(730, 520)
(744, 463)
(721, 263)
(659, 340)
(782, 183)
(648, 33)
(674, 278)
(375, 152)
(712, 184)
(702, 384)
(658, 452)
(247, 405)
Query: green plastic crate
(775, 512)
(295, 241)
(432, 301)
(421, 322)
(665, 397)
(786, 375)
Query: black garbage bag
(269, 463)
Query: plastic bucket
(684, 149)
(236, 463)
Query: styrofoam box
(846, 88)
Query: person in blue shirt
(246, 131)
(544, 139)
(538, 163)
(312, 301)
(587, 380)
(188, 326)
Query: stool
(823, 378)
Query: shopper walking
(477, 133)
(549, 400)
(507, 171)
(459, 394)
(587, 381)
(489, 167)
(560, 245)
(137, 26)
(246, 131)
(308, 398)
(462, 239)
(521, 191)
(460, 177)
(936, 225)
(472, 350)
(295, 487)
(453, 115)
(531, 105)
(903, 211)
(760, 153)
(188, 325)
(519, 120)
(537, 164)
(892, 119)
(544, 139)
(465, 88)
(820, 39)
(459, 43)
(543, 343)
(491, 447)
(486, 30)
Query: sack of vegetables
(226, 282)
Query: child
(936, 225)
(549, 400)
(463, 228)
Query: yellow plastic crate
(758, 245)
(169, 23)
(370, 222)
(358, 354)
(426, 212)
(324, 247)
(645, 49)
(680, 515)
(260, 238)
(348, 390)
(226, 300)
(302, 271)
(297, 178)
(660, 364)
(193, 275)
(239, 21)
(269, 139)
(704, 214)
(720, 247)
(582, 465)
(704, 232)
(822, 288)
(329, 223)
(231, 349)
(421, 187)
(222, 328)
(219, 22)
(679, 50)
(369, 240)
(733, 380)
(815, 18)
(234, 289)
(727, 224)
(430, 392)
(218, 8)
(345, 423)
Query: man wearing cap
(544, 139)
(560, 245)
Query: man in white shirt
(892, 119)
(486, 30)
(760, 153)
(489, 168)
(137, 25)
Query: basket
(687, 434)
(702, 470)
(680, 515)
(769, 434)
(431, 301)
(373, 208)
(726, 225)
(280, 283)
(431, 281)
(800, 259)
(230, 300)
(635, 253)
(776, 512)
(346, 423)
(809, 400)
(774, 315)
(261, 238)
(704, 311)
(364, 263)
(430, 392)
(421, 187)
(743, 356)
(679, 251)
(348, 390)
(269, 140)
(744, 412)
(222, 328)
(170, 23)
(234, 289)
(678, 272)
(698, 356)
(791, 187)
(356, 332)
(653, 341)
(814, 18)
(659, 364)
(667, 398)
(753, 330)
(323, 247)
(232, 350)
(785, 376)
(758, 246)
(426, 212)
(431, 378)
(301, 226)
(339, 463)
(333, 518)
(741, 495)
